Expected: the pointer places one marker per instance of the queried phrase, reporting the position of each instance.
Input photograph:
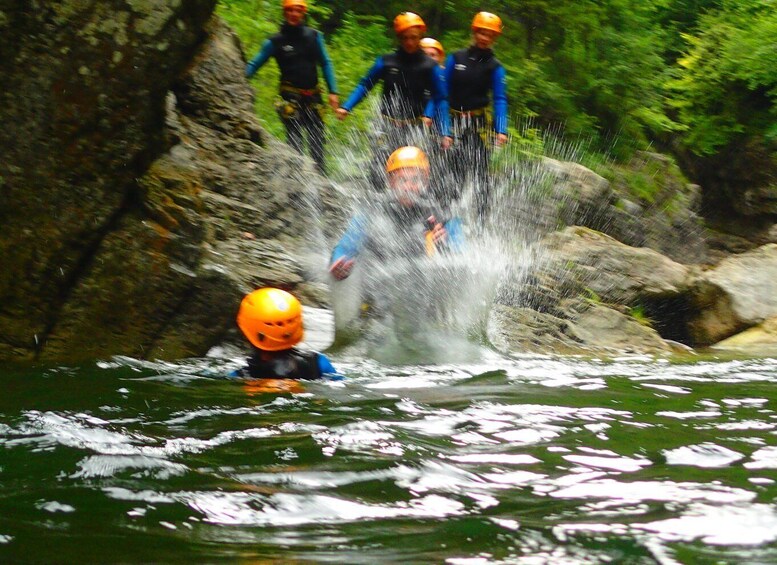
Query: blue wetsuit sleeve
(429, 109)
(440, 101)
(352, 241)
(326, 65)
(366, 84)
(261, 58)
(456, 240)
(447, 71)
(499, 89)
(325, 365)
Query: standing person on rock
(410, 79)
(434, 49)
(472, 74)
(299, 50)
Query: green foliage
(591, 296)
(606, 70)
(638, 313)
(725, 87)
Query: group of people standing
(443, 103)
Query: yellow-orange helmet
(433, 43)
(406, 20)
(406, 157)
(271, 319)
(298, 3)
(487, 20)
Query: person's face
(408, 184)
(434, 54)
(484, 38)
(410, 39)
(294, 15)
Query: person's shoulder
(388, 57)
(326, 368)
(311, 32)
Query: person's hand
(341, 113)
(341, 268)
(427, 121)
(439, 233)
(334, 102)
(446, 142)
(501, 139)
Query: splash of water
(435, 309)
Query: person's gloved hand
(439, 233)
(341, 268)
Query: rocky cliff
(139, 197)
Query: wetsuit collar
(402, 54)
(288, 29)
(476, 52)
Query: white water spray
(401, 307)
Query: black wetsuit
(473, 74)
(299, 50)
(289, 364)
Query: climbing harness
(477, 120)
(293, 101)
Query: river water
(508, 460)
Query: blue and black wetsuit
(299, 51)
(411, 83)
(404, 237)
(472, 74)
(410, 80)
(290, 364)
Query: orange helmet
(406, 20)
(487, 20)
(271, 319)
(406, 157)
(298, 3)
(433, 43)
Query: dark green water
(528, 460)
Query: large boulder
(646, 203)
(140, 197)
(584, 328)
(740, 292)
(611, 270)
(588, 293)
(760, 339)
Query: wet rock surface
(140, 197)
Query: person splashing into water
(414, 226)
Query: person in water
(299, 50)
(405, 223)
(471, 74)
(271, 320)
